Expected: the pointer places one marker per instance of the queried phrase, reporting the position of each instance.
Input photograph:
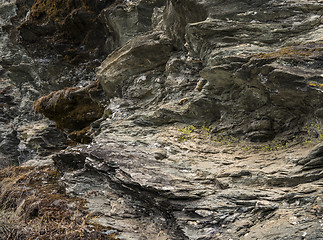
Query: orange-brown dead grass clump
(303, 51)
(71, 108)
(35, 206)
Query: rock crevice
(171, 119)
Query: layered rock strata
(189, 89)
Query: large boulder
(139, 55)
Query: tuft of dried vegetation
(305, 51)
(73, 109)
(33, 205)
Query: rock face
(261, 68)
(196, 125)
(73, 28)
(130, 18)
(9, 139)
(139, 55)
(193, 189)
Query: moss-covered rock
(73, 109)
(72, 28)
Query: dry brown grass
(72, 109)
(53, 99)
(33, 205)
(304, 51)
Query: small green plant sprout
(321, 136)
(224, 139)
(36, 147)
(207, 130)
(314, 132)
(107, 113)
(186, 132)
(274, 146)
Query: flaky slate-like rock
(197, 190)
(170, 159)
(314, 159)
(260, 51)
(139, 55)
(127, 20)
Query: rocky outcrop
(171, 184)
(26, 74)
(253, 63)
(8, 136)
(131, 18)
(269, 63)
(72, 28)
(139, 55)
(313, 160)
(202, 128)
(178, 14)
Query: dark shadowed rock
(72, 28)
(69, 161)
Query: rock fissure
(170, 119)
(153, 201)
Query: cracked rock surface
(174, 119)
(147, 184)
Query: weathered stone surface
(252, 64)
(313, 160)
(129, 19)
(39, 139)
(139, 55)
(269, 60)
(187, 90)
(202, 190)
(25, 77)
(178, 14)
